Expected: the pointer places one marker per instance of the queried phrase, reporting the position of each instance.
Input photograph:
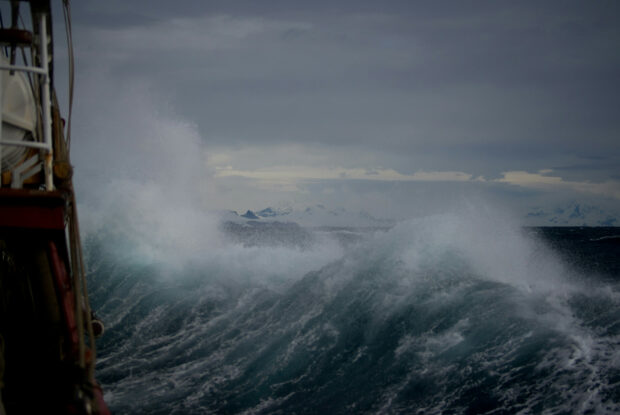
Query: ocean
(438, 315)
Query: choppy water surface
(436, 315)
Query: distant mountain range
(573, 214)
(317, 215)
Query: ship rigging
(47, 328)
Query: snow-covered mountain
(313, 216)
(569, 214)
(573, 214)
(272, 212)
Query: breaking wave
(444, 314)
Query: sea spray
(453, 312)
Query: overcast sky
(395, 107)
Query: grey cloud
(516, 83)
(479, 87)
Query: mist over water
(462, 312)
(459, 312)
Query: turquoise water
(435, 315)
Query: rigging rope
(83, 309)
(83, 303)
(67, 15)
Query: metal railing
(33, 165)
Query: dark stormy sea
(438, 315)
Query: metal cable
(67, 16)
(81, 275)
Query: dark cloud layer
(478, 87)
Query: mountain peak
(249, 215)
(317, 215)
(270, 212)
(573, 214)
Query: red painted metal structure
(47, 345)
(32, 209)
